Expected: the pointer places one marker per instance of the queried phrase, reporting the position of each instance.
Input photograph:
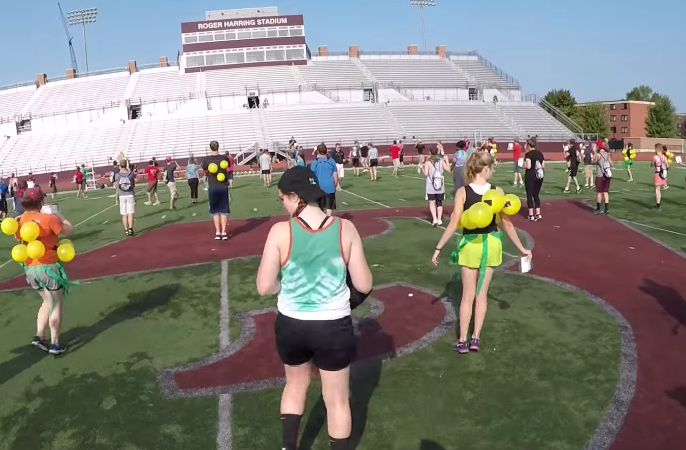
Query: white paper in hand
(525, 264)
(678, 159)
(49, 209)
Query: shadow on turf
(250, 224)
(430, 445)
(364, 379)
(75, 338)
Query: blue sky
(597, 49)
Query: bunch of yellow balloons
(213, 168)
(33, 248)
(480, 214)
(669, 156)
(629, 155)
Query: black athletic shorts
(356, 162)
(373, 162)
(266, 172)
(329, 344)
(328, 202)
(438, 198)
(3, 205)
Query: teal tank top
(313, 285)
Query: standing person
(193, 179)
(78, 179)
(573, 159)
(31, 181)
(46, 274)
(300, 160)
(266, 168)
(419, 146)
(18, 195)
(327, 178)
(589, 156)
(516, 156)
(479, 251)
(52, 184)
(229, 171)
(434, 167)
(339, 158)
(13, 186)
(401, 156)
(459, 162)
(115, 171)
(125, 181)
(534, 162)
(84, 171)
(364, 154)
(629, 163)
(218, 192)
(664, 153)
(603, 162)
(305, 262)
(659, 163)
(153, 174)
(4, 209)
(395, 157)
(373, 161)
(170, 180)
(355, 158)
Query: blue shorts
(516, 165)
(218, 196)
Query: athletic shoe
(538, 217)
(131, 232)
(461, 347)
(592, 186)
(586, 186)
(658, 208)
(218, 237)
(597, 212)
(566, 191)
(41, 343)
(606, 212)
(531, 218)
(578, 190)
(156, 204)
(225, 237)
(56, 350)
(474, 345)
(148, 203)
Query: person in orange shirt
(46, 274)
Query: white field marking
(224, 339)
(402, 199)
(80, 223)
(224, 436)
(345, 203)
(654, 228)
(163, 217)
(106, 222)
(367, 199)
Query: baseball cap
(33, 194)
(302, 182)
(168, 159)
(600, 143)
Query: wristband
(438, 249)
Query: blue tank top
(192, 171)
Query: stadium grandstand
(223, 87)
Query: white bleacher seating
(169, 84)
(428, 120)
(415, 73)
(333, 74)
(237, 81)
(13, 100)
(341, 122)
(81, 94)
(536, 121)
(43, 153)
(180, 136)
(483, 75)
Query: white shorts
(341, 170)
(172, 189)
(127, 204)
(396, 162)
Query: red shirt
(231, 162)
(152, 172)
(79, 176)
(395, 151)
(516, 152)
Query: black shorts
(329, 344)
(573, 170)
(364, 154)
(438, 198)
(356, 162)
(229, 175)
(3, 205)
(218, 196)
(266, 172)
(401, 157)
(373, 162)
(328, 202)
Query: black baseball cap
(302, 182)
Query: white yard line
(366, 199)
(402, 199)
(224, 408)
(224, 339)
(654, 228)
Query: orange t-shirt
(50, 226)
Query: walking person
(373, 161)
(364, 156)
(589, 157)
(305, 262)
(52, 184)
(573, 157)
(659, 163)
(153, 174)
(46, 275)
(434, 168)
(419, 146)
(516, 156)
(13, 185)
(115, 171)
(534, 162)
(459, 162)
(628, 163)
(603, 162)
(229, 171)
(479, 250)
(4, 209)
(327, 177)
(78, 179)
(170, 179)
(218, 192)
(125, 181)
(355, 158)
(193, 179)
(339, 159)
(401, 156)
(395, 157)
(266, 168)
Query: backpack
(605, 166)
(663, 168)
(355, 150)
(437, 178)
(539, 170)
(126, 182)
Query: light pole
(82, 17)
(422, 4)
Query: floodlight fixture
(421, 4)
(83, 17)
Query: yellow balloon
(29, 231)
(35, 249)
(221, 177)
(626, 158)
(224, 164)
(633, 152)
(512, 204)
(669, 161)
(19, 253)
(466, 221)
(670, 155)
(9, 226)
(212, 168)
(624, 152)
(480, 214)
(65, 253)
(496, 198)
(632, 156)
(65, 242)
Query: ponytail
(476, 163)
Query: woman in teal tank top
(305, 262)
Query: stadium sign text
(243, 23)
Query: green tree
(641, 93)
(661, 120)
(592, 118)
(563, 100)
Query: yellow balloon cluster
(224, 164)
(629, 155)
(33, 249)
(213, 168)
(480, 214)
(221, 177)
(669, 156)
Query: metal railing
(555, 113)
(497, 70)
(18, 85)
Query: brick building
(627, 117)
(681, 125)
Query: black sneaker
(131, 232)
(41, 343)
(538, 217)
(225, 237)
(56, 349)
(218, 237)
